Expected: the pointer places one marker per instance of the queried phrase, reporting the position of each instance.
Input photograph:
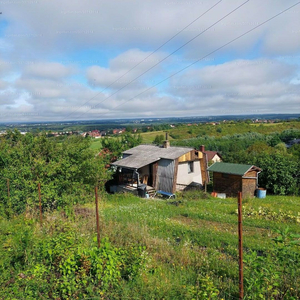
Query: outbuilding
(164, 168)
(229, 178)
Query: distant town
(101, 128)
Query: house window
(190, 167)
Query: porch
(136, 189)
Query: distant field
(266, 124)
(96, 144)
(203, 130)
(223, 129)
(148, 137)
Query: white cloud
(4, 68)
(125, 68)
(58, 27)
(50, 70)
(240, 85)
(39, 38)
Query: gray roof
(228, 168)
(143, 155)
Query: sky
(89, 60)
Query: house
(164, 168)
(231, 178)
(118, 130)
(211, 156)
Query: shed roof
(143, 155)
(229, 168)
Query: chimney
(166, 143)
(202, 148)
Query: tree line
(66, 170)
(280, 164)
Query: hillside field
(185, 248)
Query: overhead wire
(166, 57)
(219, 48)
(144, 59)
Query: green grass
(201, 130)
(148, 137)
(266, 124)
(96, 144)
(190, 245)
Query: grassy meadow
(148, 137)
(175, 249)
(96, 144)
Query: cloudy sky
(87, 59)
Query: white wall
(185, 178)
(216, 158)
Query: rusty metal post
(97, 216)
(240, 232)
(8, 191)
(40, 203)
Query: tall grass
(188, 246)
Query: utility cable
(171, 38)
(221, 19)
(219, 48)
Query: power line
(169, 55)
(171, 38)
(221, 19)
(219, 48)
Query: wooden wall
(165, 175)
(190, 156)
(249, 187)
(232, 184)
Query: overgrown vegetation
(67, 171)
(151, 249)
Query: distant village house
(211, 156)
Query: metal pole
(97, 216)
(8, 192)
(240, 230)
(40, 203)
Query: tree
(67, 171)
(158, 140)
(280, 173)
(116, 146)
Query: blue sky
(81, 60)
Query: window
(190, 167)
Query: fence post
(40, 203)
(97, 216)
(240, 233)
(8, 192)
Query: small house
(231, 178)
(163, 168)
(211, 156)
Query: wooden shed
(165, 168)
(231, 178)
